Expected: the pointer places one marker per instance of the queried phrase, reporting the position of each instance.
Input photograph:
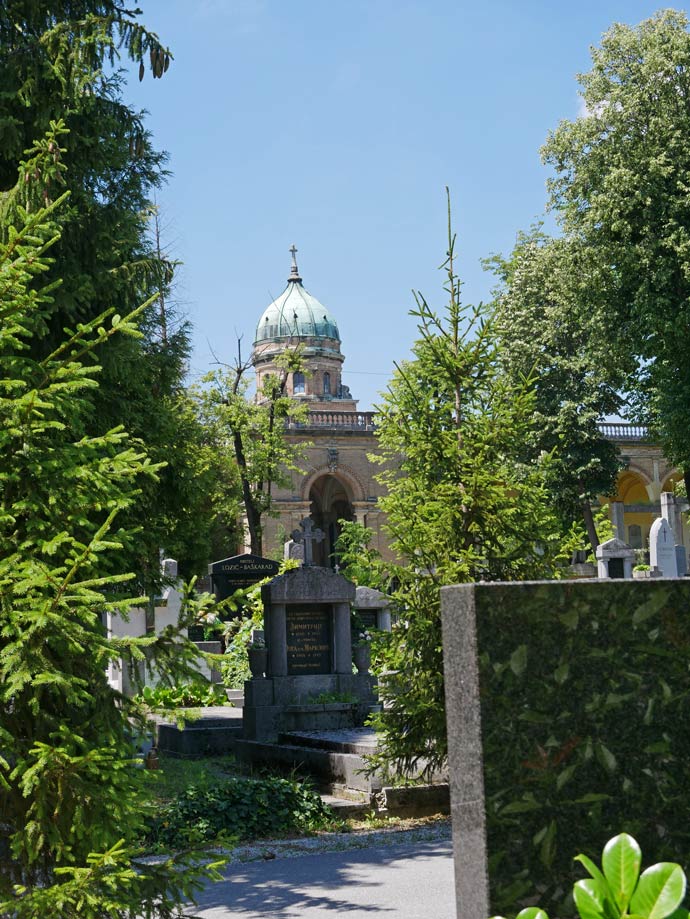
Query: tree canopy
(620, 189)
(64, 61)
(551, 328)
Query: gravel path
(269, 849)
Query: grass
(176, 775)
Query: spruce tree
(461, 504)
(70, 808)
(64, 60)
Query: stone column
(276, 635)
(360, 511)
(342, 638)
(617, 519)
(668, 510)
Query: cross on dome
(294, 271)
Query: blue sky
(336, 126)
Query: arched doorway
(331, 501)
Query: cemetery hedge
(585, 696)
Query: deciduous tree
(551, 328)
(254, 432)
(622, 173)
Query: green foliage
(184, 695)
(325, 698)
(550, 328)
(357, 560)
(69, 796)
(238, 639)
(584, 693)
(461, 504)
(618, 891)
(619, 190)
(253, 433)
(239, 808)
(59, 60)
(577, 540)
(110, 884)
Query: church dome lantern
(293, 320)
(296, 314)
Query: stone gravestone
(465, 757)
(662, 550)
(307, 632)
(231, 574)
(671, 513)
(618, 519)
(240, 571)
(372, 608)
(294, 550)
(615, 559)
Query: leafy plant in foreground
(619, 891)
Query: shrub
(184, 695)
(239, 808)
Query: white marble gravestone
(662, 550)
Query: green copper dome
(296, 314)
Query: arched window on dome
(326, 384)
(297, 382)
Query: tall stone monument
(307, 632)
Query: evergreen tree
(61, 60)
(70, 809)
(461, 503)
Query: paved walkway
(402, 875)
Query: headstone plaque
(240, 571)
(309, 640)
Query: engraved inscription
(309, 644)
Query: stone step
(236, 696)
(346, 807)
(358, 741)
(326, 766)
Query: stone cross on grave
(308, 535)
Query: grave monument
(662, 550)
(615, 559)
(307, 633)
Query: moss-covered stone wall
(585, 704)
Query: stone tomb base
(279, 704)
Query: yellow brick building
(338, 481)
